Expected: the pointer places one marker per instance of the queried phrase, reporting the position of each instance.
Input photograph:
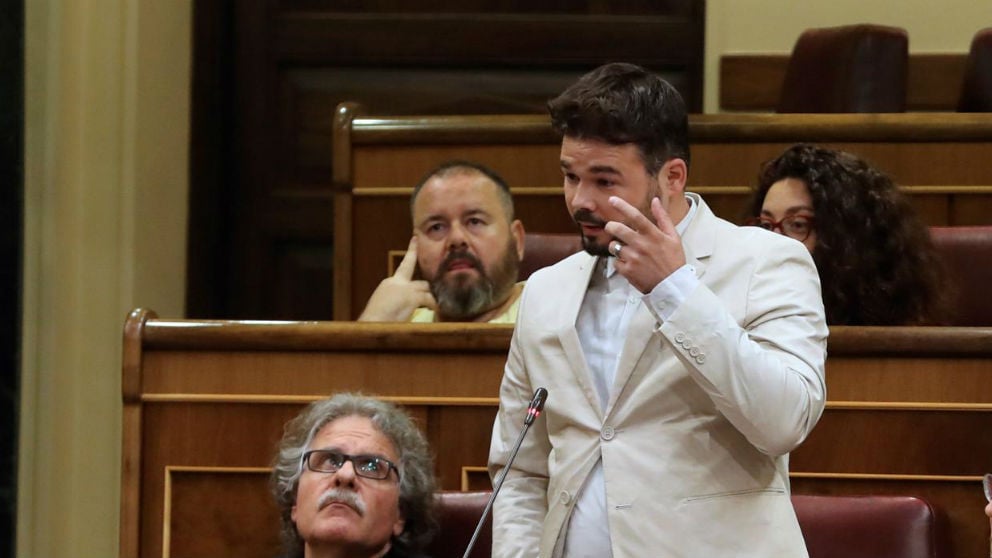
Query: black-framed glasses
(368, 466)
(793, 226)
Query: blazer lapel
(574, 292)
(698, 244)
(699, 240)
(639, 334)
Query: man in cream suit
(683, 355)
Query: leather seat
(852, 68)
(544, 249)
(976, 88)
(834, 526)
(457, 514)
(967, 256)
(870, 527)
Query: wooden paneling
(753, 82)
(268, 74)
(908, 412)
(200, 499)
(377, 159)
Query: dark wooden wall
(267, 75)
(753, 82)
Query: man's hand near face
(396, 297)
(648, 252)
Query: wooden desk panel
(909, 411)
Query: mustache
(459, 255)
(339, 496)
(583, 215)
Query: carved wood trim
(167, 498)
(887, 477)
(525, 129)
(344, 336)
(342, 182)
(518, 191)
(409, 401)
(130, 521)
(324, 336)
(906, 406)
(471, 471)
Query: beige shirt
(421, 315)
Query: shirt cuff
(667, 296)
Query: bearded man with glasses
(354, 477)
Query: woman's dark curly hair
(876, 261)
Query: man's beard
(462, 297)
(589, 244)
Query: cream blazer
(702, 415)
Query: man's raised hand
(396, 297)
(649, 252)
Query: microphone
(533, 411)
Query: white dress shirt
(609, 304)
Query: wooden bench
(908, 413)
(936, 158)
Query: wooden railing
(909, 412)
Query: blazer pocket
(701, 498)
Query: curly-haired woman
(876, 262)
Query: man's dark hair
(449, 168)
(876, 261)
(623, 103)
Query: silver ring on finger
(617, 246)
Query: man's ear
(675, 173)
(399, 525)
(517, 230)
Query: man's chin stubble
(594, 248)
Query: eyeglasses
(368, 466)
(793, 226)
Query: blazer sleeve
(520, 509)
(765, 372)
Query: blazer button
(608, 433)
(679, 337)
(694, 351)
(564, 497)
(701, 358)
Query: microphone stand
(533, 410)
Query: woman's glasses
(793, 226)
